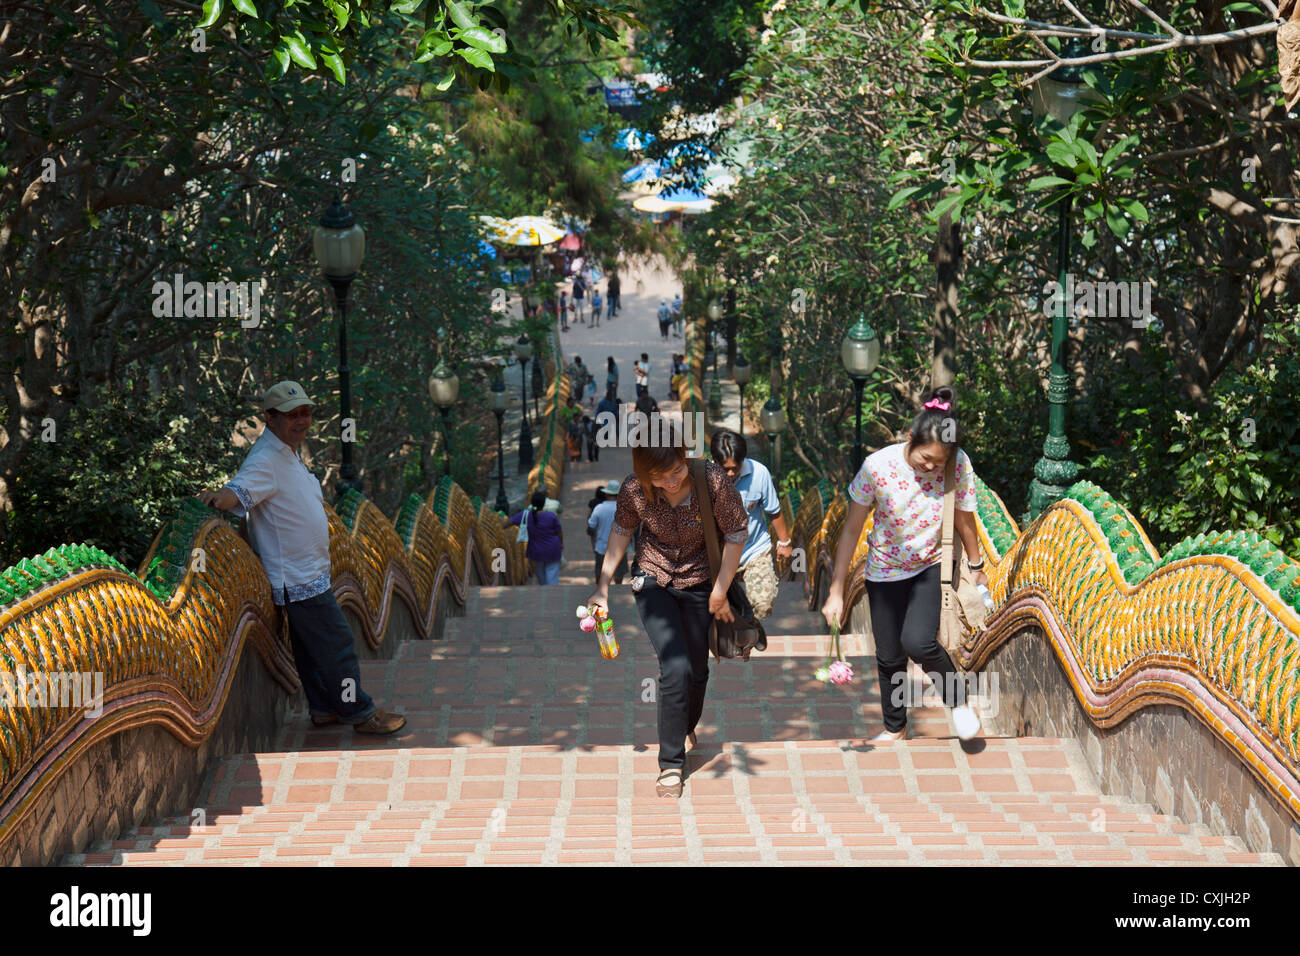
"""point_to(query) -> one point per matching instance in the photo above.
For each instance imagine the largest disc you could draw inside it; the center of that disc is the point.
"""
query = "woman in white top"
(904, 483)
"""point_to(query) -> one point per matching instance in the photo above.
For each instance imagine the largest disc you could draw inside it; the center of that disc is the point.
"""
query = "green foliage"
(117, 470)
(1186, 470)
(468, 42)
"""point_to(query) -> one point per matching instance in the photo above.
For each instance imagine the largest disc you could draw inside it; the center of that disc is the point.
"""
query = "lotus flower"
(823, 673)
(582, 611)
(588, 623)
(836, 670)
(840, 672)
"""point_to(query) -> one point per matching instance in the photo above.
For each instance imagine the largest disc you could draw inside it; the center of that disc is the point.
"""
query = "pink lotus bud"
(841, 672)
(587, 623)
(582, 610)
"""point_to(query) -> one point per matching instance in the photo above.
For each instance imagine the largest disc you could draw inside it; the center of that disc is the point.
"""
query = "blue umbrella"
(643, 172)
(682, 194)
(632, 139)
(486, 249)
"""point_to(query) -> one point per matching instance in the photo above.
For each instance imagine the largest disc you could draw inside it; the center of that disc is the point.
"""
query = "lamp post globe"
(340, 245)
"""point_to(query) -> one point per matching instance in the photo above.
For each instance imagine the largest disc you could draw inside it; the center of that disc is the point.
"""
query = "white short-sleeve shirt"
(287, 522)
(906, 532)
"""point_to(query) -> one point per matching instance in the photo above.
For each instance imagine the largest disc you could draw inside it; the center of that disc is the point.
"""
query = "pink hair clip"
(935, 403)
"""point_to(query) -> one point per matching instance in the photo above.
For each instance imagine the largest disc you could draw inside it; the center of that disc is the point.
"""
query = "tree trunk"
(947, 261)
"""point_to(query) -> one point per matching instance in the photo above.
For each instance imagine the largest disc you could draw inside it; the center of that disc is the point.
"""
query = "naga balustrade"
(164, 645)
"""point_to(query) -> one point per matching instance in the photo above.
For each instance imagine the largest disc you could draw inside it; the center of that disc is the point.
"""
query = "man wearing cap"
(598, 525)
(290, 533)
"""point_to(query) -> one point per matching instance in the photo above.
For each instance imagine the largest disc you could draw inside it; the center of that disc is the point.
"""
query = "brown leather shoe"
(381, 722)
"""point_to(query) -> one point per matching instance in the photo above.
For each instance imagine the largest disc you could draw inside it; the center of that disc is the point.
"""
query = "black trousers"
(677, 621)
(905, 623)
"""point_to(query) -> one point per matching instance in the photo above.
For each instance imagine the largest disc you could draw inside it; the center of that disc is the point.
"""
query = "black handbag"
(730, 639)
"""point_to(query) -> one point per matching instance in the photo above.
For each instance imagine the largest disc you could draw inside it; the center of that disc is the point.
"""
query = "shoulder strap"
(706, 517)
(949, 507)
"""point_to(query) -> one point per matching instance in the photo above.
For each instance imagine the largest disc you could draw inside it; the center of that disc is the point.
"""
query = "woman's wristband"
(784, 544)
(977, 567)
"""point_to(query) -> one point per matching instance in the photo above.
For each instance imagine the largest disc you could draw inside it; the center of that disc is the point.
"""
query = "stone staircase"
(523, 746)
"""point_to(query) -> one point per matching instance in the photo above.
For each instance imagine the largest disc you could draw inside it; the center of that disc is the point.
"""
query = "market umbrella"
(632, 139)
(677, 200)
(529, 231)
(571, 242)
(643, 172)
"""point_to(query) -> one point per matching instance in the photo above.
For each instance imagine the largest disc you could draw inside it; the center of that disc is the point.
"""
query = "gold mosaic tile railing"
(1213, 626)
(164, 643)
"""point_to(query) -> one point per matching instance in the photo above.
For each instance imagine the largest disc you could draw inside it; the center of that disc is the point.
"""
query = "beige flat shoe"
(669, 783)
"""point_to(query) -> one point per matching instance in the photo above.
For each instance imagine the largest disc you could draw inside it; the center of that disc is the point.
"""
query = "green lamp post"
(444, 389)
(773, 421)
(1060, 94)
(860, 354)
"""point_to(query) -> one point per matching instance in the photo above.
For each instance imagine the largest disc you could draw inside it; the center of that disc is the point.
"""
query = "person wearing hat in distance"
(599, 524)
(291, 534)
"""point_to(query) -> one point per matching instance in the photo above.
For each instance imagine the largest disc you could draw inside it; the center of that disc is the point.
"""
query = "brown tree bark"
(947, 261)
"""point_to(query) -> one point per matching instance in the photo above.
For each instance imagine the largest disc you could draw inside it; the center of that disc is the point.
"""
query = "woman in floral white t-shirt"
(904, 484)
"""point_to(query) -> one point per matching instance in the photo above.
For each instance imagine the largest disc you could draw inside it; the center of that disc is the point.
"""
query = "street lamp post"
(1060, 95)
(444, 387)
(340, 245)
(741, 373)
(523, 352)
(538, 386)
(499, 410)
(773, 421)
(715, 313)
(860, 354)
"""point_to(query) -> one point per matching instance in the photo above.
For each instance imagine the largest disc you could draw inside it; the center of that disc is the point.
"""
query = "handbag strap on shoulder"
(949, 507)
(706, 517)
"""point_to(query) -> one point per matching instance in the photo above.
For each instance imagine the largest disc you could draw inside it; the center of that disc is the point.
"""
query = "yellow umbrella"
(529, 231)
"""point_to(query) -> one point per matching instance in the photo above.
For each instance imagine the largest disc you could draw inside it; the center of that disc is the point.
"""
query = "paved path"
(523, 746)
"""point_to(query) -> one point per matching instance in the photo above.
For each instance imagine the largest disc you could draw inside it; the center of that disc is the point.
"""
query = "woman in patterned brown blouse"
(671, 580)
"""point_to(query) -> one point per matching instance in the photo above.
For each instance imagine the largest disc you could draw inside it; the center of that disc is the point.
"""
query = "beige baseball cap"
(285, 397)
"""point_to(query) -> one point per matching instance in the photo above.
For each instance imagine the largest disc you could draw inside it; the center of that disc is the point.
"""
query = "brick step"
(756, 828)
(546, 608)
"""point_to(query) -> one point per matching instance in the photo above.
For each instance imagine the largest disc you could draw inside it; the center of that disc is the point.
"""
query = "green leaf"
(245, 7)
(460, 15)
(1047, 182)
(1062, 154)
(1134, 209)
(408, 6)
(448, 78)
(340, 11)
(281, 54)
(300, 52)
(212, 10)
(476, 57)
(902, 196)
(335, 64)
(1116, 222)
(484, 39)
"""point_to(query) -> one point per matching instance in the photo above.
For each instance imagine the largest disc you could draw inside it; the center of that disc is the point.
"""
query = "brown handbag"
(727, 639)
(961, 613)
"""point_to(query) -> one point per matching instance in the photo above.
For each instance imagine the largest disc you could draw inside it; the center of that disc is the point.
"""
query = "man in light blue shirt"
(598, 525)
(758, 492)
